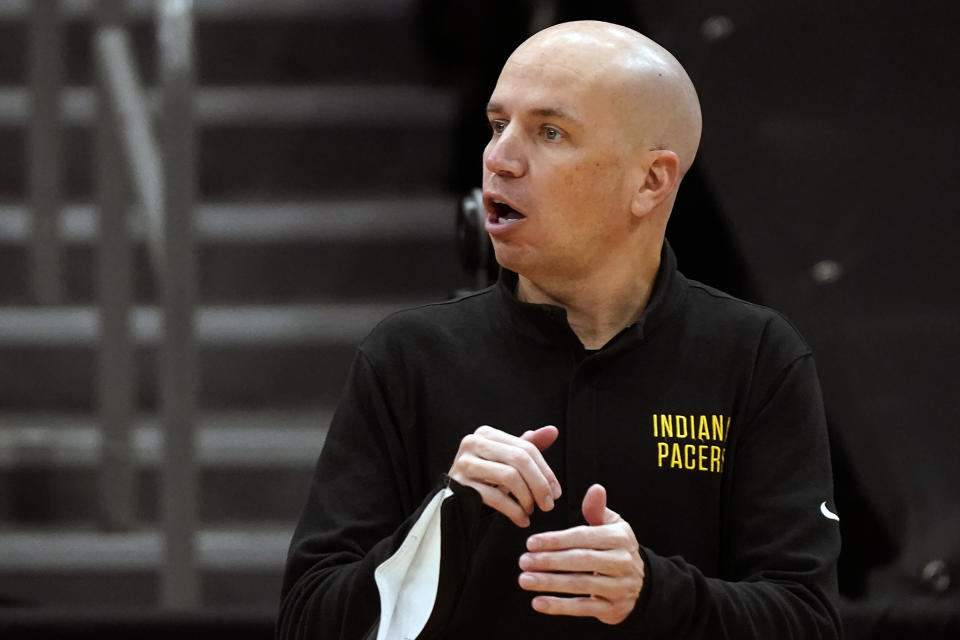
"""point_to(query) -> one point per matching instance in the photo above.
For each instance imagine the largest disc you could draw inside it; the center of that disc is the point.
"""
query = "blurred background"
(206, 205)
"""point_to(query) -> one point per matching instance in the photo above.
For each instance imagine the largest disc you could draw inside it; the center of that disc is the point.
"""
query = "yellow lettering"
(675, 461)
(663, 450)
(703, 433)
(715, 459)
(666, 426)
(717, 427)
(689, 456)
(692, 457)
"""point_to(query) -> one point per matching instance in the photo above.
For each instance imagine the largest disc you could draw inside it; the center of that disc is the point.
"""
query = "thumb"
(542, 437)
(594, 507)
(594, 504)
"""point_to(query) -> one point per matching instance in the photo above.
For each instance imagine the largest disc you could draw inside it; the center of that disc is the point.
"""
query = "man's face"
(555, 181)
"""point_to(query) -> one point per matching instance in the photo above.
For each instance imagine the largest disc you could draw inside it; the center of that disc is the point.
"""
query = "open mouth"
(502, 213)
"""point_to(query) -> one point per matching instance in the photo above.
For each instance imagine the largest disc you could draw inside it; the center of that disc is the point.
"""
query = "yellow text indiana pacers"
(691, 442)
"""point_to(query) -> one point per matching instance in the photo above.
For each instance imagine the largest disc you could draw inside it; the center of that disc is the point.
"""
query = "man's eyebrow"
(543, 112)
(552, 112)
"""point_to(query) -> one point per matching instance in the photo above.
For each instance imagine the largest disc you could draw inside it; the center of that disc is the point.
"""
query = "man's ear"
(659, 181)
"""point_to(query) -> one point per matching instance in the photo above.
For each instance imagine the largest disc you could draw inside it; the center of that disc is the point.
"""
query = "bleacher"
(321, 207)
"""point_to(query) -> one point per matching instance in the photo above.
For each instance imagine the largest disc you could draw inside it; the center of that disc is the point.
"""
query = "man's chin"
(511, 257)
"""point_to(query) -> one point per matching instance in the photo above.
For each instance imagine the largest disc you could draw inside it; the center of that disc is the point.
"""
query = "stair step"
(70, 496)
(221, 326)
(239, 566)
(249, 356)
(108, 621)
(263, 162)
(268, 252)
(426, 217)
(246, 41)
(235, 439)
(89, 590)
(267, 106)
(229, 9)
(255, 547)
(251, 465)
(273, 273)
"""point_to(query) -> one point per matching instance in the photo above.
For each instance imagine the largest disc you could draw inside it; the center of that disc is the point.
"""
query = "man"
(463, 488)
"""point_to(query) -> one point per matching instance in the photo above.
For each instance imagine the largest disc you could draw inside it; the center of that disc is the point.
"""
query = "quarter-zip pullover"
(703, 420)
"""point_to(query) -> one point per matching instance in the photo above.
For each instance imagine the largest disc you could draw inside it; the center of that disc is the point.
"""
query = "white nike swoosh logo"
(827, 513)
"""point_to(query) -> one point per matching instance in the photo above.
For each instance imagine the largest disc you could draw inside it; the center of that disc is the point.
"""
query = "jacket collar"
(548, 323)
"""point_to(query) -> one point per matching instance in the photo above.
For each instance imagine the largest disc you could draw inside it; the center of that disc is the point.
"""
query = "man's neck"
(598, 306)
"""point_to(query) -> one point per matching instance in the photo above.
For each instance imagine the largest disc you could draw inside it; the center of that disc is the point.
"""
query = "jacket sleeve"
(362, 503)
(781, 541)
(359, 508)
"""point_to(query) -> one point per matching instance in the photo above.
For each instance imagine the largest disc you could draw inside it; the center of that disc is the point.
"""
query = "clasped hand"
(599, 563)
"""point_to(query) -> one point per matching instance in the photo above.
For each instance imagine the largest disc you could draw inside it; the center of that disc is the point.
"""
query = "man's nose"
(504, 154)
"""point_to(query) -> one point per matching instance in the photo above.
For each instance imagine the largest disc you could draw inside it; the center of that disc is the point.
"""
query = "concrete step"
(429, 217)
(243, 41)
(43, 495)
(272, 437)
(253, 547)
(240, 566)
(250, 356)
(105, 621)
(270, 252)
(286, 142)
(221, 326)
(227, 10)
(264, 105)
(253, 465)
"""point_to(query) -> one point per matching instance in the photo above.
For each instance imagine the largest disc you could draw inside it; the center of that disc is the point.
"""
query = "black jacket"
(703, 420)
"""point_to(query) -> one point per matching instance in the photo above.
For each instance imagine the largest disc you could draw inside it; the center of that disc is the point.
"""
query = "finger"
(504, 478)
(594, 505)
(501, 502)
(533, 443)
(515, 469)
(618, 535)
(496, 445)
(582, 607)
(543, 437)
(611, 562)
(583, 584)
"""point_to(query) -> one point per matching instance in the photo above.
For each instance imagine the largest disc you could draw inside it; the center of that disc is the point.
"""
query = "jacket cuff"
(639, 617)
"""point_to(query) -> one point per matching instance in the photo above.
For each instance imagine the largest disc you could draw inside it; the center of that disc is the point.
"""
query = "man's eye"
(498, 126)
(551, 134)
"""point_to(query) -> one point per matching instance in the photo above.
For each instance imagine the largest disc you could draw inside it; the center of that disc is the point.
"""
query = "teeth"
(506, 212)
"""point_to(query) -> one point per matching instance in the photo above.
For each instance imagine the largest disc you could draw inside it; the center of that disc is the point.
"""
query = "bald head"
(649, 88)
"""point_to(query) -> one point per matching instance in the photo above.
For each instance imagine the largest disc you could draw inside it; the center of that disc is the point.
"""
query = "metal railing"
(44, 169)
(156, 164)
